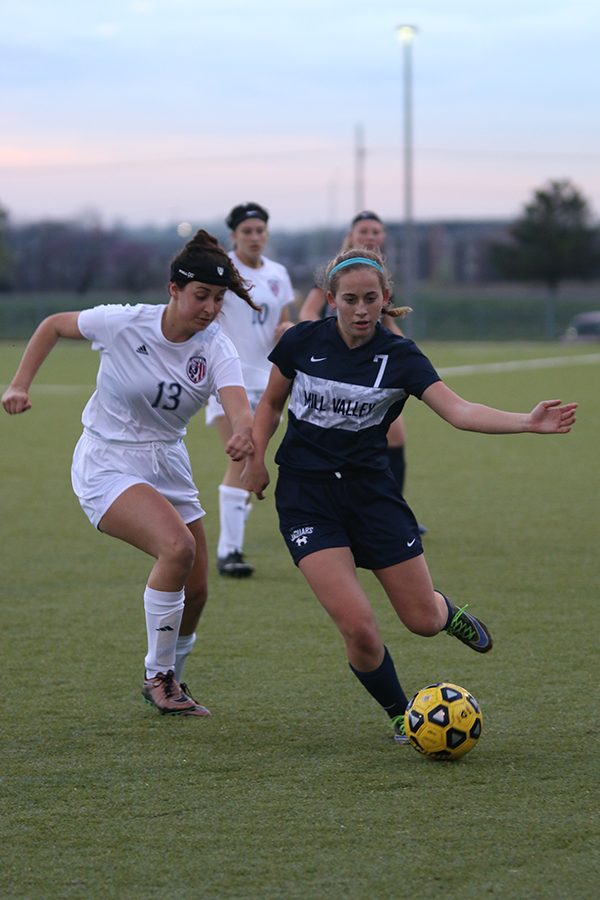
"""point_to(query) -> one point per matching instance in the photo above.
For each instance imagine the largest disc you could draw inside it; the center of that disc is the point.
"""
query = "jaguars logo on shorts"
(300, 536)
(196, 369)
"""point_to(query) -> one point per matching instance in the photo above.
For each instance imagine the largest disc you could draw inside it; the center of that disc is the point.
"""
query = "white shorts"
(102, 470)
(214, 408)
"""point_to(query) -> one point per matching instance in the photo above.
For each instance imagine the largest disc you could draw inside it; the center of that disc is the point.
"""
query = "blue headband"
(356, 260)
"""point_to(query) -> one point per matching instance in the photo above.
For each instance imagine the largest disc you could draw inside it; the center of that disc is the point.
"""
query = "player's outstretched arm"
(255, 476)
(547, 417)
(15, 398)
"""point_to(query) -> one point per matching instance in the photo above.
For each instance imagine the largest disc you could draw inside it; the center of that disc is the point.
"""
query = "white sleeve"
(93, 326)
(226, 365)
(100, 323)
(228, 373)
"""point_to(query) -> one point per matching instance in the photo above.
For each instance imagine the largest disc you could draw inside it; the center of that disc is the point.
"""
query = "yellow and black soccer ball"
(443, 721)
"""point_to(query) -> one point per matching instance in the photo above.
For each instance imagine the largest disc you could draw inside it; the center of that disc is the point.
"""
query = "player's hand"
(552, 417)
(239, 445)
(255, 477)
(15, 400)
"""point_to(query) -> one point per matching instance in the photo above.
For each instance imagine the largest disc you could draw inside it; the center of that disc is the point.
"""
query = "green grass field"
(294, 788)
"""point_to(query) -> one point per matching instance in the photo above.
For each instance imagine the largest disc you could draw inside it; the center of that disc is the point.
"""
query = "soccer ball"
(443, 721)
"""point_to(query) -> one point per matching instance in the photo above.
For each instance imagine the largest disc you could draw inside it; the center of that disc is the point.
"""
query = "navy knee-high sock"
(451, 609)
(383, 685)
(397, 465)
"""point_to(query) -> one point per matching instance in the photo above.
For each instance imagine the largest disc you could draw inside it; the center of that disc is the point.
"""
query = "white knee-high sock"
(185, 645)
(233, 512)
(164, 610)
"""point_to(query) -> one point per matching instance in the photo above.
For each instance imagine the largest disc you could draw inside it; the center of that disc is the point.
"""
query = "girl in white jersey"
(338, 503)
(131, 471)
(366, 230)
(254, 333)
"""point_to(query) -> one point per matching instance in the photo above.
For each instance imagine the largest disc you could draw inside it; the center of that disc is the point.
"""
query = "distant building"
(450, 252)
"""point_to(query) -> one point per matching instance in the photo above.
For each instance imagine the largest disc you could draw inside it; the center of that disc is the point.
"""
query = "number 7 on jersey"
(382, 359)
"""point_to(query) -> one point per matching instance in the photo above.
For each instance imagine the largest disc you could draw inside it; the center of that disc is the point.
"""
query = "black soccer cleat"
(469, 630)
(234, 565)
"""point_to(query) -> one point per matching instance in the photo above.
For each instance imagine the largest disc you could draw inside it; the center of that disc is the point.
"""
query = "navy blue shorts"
(365, 513)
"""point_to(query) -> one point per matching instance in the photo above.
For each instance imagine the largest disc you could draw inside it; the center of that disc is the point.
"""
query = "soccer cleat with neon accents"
(399, 735)
(470, 631)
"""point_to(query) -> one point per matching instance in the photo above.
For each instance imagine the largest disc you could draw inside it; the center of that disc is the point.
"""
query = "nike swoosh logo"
(410, 543)
(318, 358)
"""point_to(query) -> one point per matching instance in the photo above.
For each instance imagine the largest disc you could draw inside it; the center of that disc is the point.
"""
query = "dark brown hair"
(203, 248)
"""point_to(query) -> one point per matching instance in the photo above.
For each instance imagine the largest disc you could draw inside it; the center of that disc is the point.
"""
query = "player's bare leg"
(331, 574)
(142, 517)
(426, 611)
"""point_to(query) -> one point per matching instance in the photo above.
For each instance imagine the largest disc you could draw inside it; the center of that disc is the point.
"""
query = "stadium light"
(406, 35)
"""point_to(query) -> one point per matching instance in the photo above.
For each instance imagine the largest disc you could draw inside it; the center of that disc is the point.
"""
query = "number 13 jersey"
(343, 400)
(148, 387)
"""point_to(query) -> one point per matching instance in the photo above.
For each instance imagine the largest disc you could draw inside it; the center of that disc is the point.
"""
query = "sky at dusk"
(156, 111)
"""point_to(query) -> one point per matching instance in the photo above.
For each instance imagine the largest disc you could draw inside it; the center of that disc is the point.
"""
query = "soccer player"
(254, 332)
(368, 231)
(131, 470)
(339, 506)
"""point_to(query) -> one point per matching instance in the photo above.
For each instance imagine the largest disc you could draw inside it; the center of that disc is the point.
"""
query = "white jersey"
(148, 387)
(252, 332)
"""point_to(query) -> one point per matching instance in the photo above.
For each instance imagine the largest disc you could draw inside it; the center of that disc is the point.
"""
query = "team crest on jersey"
(196, 369)
(274, 285)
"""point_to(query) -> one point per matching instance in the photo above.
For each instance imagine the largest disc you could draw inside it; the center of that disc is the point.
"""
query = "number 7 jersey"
(343, 400)
(148, 387)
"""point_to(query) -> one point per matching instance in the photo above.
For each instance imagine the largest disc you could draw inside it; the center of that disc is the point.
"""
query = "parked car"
(584, 327)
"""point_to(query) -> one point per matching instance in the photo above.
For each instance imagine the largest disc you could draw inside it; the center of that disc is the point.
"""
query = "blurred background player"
(254, 333)
(366, 230)
(131, 470)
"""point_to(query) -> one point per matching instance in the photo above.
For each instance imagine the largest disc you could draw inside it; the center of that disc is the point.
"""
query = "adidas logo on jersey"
(142, 349)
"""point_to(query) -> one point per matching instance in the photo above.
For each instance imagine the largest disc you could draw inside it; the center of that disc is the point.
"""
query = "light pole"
(406, 35)
(359, 168)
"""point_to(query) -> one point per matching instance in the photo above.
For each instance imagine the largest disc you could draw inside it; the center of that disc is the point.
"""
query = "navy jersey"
(343, 400)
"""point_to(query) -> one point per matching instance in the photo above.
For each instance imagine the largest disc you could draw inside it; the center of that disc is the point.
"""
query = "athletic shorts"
(214, 408)
(366, 513)
(102, 470)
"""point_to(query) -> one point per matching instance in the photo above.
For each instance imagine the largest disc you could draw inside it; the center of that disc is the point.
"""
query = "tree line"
(554, 238)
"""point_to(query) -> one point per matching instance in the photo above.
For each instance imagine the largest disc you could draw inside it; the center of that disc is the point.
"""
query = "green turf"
(294, 789)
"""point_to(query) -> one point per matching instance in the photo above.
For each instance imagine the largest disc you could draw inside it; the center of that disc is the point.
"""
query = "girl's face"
(368, 233)
(249, 240)
(359, 300)
(193, 307)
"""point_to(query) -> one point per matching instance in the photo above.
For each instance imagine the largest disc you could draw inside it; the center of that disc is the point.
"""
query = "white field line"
(62, 389)
(549, 362)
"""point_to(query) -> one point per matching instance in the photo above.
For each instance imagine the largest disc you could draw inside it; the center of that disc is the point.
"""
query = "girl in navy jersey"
(368, 231)
(131, 471)
(339, 506)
